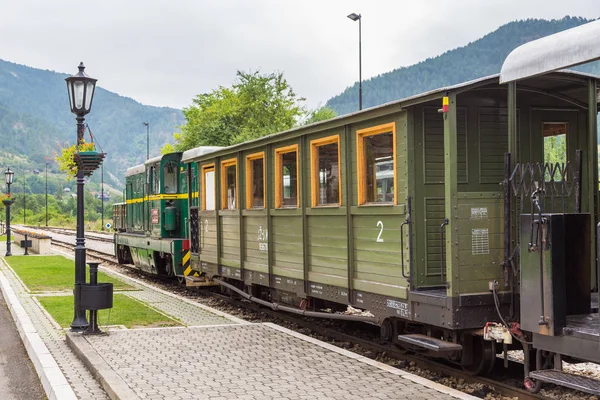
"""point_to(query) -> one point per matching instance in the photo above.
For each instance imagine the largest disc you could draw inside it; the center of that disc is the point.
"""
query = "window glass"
(555, 148)
(257, 184)
(209, 188)
(155, 181)
(328, 175)
(170, 177)
(379, 168)
(230, 183)
(289, 181)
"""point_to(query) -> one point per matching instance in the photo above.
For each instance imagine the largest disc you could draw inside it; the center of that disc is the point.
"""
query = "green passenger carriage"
(400, 210)
(442, 216)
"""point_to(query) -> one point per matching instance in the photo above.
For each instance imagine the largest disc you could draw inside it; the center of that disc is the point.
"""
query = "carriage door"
(555, 140)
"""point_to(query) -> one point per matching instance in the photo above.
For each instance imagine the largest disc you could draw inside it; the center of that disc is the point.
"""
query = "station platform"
(211, 355)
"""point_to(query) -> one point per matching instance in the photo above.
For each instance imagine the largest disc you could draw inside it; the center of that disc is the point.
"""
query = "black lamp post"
(147, 125)
(8, 178)
(81, 92)
(357, 17)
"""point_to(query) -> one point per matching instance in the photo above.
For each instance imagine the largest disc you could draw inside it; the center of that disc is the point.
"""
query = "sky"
(164, 53)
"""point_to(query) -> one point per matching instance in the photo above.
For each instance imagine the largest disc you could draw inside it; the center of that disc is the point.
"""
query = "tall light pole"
(46, 194)
(357, 17)
(8, 178)
(81, 93)
(147, 140)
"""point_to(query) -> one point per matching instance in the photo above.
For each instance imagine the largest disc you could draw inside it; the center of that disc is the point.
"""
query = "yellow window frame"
(224, 165)
(207, 168)
(314, 169)
(279, 175)
(249, 182)
(361, 134)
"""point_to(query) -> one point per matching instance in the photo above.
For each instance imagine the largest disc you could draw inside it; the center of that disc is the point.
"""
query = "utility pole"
(147, 140)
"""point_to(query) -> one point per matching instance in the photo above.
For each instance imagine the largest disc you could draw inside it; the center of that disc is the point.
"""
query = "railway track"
(72, 232)
(371, 347)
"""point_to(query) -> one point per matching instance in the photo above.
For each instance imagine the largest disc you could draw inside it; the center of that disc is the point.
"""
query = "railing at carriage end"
(555, 186)
(553, 183)
(194, 229)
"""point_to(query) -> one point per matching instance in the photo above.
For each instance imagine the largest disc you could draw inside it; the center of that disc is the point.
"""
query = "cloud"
(164, 53)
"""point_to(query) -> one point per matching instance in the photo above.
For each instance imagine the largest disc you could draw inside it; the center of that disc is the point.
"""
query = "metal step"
(196, 281)
(577, 382)
(429, 343)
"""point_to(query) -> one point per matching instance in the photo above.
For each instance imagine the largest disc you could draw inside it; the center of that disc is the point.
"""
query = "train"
(441, 216)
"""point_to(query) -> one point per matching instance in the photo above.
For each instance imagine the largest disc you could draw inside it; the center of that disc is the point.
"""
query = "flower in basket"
(66, 159)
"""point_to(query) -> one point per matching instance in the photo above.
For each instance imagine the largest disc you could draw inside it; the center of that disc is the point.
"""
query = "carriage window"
(376, 164)
(170, 177)
(255, 181)
(286, 176)
(555, 148)
(208, 187)
(325, 179)
(229, 184)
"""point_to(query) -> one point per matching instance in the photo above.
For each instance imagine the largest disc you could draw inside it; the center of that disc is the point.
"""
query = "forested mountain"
(477, 59)
(35, 118)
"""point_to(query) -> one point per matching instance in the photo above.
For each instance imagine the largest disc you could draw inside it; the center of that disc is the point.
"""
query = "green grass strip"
(126, 311)
(53, 273)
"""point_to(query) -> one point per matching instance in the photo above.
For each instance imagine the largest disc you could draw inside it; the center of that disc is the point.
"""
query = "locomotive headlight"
(81, 91)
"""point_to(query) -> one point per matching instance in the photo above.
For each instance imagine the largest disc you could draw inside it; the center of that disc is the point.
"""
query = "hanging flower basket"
(88, 161)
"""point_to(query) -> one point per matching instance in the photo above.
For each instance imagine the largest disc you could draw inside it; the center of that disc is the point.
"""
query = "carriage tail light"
(186, 244)
(445, 103)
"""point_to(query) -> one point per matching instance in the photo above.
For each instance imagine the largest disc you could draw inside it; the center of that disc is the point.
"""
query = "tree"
(256, 105)
(320, 114)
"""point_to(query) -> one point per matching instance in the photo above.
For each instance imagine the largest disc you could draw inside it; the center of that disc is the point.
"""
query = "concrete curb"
(114, 386)
(53, 380)
(406, 375)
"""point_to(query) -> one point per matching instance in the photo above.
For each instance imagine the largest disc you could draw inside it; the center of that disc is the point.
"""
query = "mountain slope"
(35, 116)
(477, 59)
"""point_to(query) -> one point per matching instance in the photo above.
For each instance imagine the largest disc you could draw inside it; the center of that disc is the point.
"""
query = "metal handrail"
(443, 246)
(406, 222)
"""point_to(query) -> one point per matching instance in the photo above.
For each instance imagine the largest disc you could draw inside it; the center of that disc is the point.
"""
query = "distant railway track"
(317, 327)
(91, 252)
(72, 232)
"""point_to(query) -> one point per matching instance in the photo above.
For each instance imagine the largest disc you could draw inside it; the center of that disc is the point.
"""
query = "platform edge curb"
(53, 380)
(114, 386)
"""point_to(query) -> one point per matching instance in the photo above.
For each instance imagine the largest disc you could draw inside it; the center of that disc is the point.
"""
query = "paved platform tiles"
(250, 361)
(214, 356)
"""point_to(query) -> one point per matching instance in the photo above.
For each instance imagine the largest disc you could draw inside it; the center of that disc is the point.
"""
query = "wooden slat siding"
(230, 237)
(287, 245)
(255, 259)
(208, 237)
(493, 143)
(434, 145)
(434, 217)
(476, 270)
(327, 246)
(378, 261)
